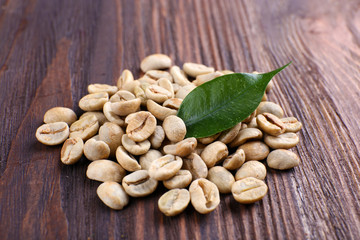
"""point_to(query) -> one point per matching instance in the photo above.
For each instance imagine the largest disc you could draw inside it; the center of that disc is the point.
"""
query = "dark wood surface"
(51, 50)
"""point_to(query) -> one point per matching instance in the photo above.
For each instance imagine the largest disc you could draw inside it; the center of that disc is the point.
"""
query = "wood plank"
(51, 50)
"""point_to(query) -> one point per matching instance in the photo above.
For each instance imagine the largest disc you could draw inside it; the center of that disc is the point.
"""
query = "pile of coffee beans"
(134, 140)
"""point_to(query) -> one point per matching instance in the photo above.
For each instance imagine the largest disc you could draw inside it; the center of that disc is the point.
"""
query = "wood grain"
(51, 50)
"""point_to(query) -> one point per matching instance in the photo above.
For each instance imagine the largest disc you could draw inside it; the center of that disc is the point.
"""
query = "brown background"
(51, 50)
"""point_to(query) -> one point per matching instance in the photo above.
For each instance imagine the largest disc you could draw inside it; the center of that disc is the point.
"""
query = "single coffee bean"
(195, 69)
(139, 184)
(282, 159)
(126, 160)
(249, 190)
(222, 178)
(157, 137)
(210, 139)
(229, 135)
(122, 95)
(111, 116)
(135, 148)
(175, 129)
(146, 159)
(195, 165)
(264, 98)
(182, 148)
(157, 74)
(174, 201)
(140, 125)
(72, 150)
(269, 86)
(252, 123)
(131, 86)
(52, 133)
(140, 93)
(97, 87)
(270, 124)
(126, 78)
(245, 125)
(291, 124)
(96, 150)
(250, 117)
(166, 84)
(60, 114)
(251, 169)
(145, 82)
(173, 103)
(105, 170)
(165, 167)
(204, 195)
(270, 107)
(158, 94)
(182, 179)
(155, 62)
(245, 135)
(84, 128)
(203, 78)
(123, 103)
(255, 150)
(93, 101)
(284, 141)
(179, 76)
(184, 91)
(234, 161)
(214, 153)
(160, 112)
(99, 116)
(226, 71)
(111, 134)
(112, 194)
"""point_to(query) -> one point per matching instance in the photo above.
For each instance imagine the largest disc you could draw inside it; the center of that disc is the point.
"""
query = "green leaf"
(223, 102)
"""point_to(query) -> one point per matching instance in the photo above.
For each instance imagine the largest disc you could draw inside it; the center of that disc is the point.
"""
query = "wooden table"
(51, 50)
